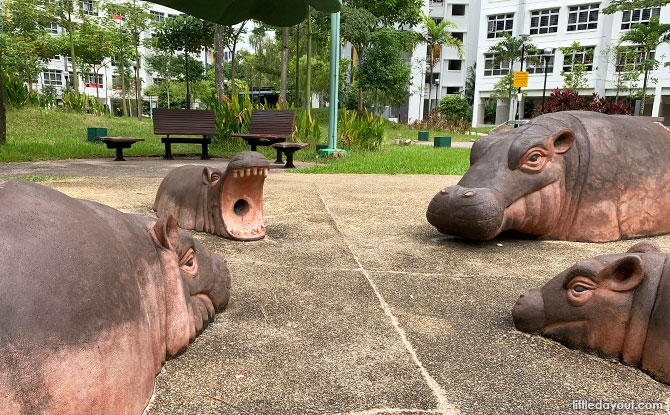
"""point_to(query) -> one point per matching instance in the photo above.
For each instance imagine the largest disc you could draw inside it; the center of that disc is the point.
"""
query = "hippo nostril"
(469, 194)
(444, 191)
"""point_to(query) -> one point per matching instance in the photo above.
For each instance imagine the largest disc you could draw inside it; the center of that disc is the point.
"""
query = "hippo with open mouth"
(93, 301)
(228, 204)
(572, 175)
(614, 305)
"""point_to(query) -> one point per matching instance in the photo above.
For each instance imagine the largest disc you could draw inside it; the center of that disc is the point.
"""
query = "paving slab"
(355, 305)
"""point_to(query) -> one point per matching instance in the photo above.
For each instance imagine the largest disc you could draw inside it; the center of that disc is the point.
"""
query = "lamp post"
(547, 57)
(519, 113)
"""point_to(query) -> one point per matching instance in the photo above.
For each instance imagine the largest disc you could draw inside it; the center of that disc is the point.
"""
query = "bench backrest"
(275, 122)
(187, 122)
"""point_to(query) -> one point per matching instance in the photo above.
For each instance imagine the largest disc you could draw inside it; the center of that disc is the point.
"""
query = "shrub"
(232, 116)
(436, 122)
(360, 130)
(16, 91)
(567, 100)
(306, 130)
(455, 107)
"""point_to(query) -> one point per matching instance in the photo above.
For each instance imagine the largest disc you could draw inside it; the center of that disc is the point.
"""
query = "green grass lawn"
(394, 159)
(34, 134)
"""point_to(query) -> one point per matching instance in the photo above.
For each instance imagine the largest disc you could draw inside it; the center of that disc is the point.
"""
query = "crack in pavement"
(443, 407)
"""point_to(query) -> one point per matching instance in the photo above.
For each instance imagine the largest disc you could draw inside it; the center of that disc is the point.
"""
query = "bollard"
(442, 142)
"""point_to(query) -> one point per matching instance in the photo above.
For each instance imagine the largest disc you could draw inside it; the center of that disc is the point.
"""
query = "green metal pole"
(334, 82)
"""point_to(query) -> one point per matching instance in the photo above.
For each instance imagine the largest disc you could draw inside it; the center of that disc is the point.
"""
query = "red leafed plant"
(567, 100)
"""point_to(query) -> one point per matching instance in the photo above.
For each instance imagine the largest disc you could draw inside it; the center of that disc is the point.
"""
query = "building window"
(499, 24)
(52, 77)
(543, 21)
(458, 9)
(631, 17)
(455, 65)
(490, 69)
(458, 35)
(56, 58)
(631, 57)
(584, 56)
(436, 78)
(538, 66)
(437, 1)
(157, 16)
(52, 28)
(583, 17)
(92, 80)
(453, 90)
(437, 20)
(157, 81)
(87, 8)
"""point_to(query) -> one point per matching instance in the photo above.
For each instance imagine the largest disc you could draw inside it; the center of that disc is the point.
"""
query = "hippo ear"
(210, 176)
(563, 141)
(643, 247)
(624, 274)
(166, 232)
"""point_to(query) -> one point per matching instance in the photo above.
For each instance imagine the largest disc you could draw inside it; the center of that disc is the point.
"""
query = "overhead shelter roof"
(272, 12)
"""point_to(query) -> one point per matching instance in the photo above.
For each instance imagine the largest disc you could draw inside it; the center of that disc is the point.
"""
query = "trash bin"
(442, 142)
(423, 135)
(96, 132)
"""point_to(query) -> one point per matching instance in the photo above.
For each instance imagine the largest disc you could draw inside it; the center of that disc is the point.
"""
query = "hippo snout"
(475, 213)
(528, 312)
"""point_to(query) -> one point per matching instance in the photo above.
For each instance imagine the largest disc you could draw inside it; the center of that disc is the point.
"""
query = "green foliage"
(455, 107)
(361, 131)
(621, 5)
(306, 130)
(171, 33)
(575, 79)
(232, 115)
(490, 107)
(504, 88)
(469, 90)
(82, 103)
(16, 93)
(390, 12)
(509, 49)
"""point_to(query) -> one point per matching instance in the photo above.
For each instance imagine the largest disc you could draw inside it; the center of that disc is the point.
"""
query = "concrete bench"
(119, 143)
(288, 149)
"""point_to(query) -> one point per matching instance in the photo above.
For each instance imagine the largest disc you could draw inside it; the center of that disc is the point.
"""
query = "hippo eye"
(579, 288)
(534, 158)
(188, 263)
(533, 161)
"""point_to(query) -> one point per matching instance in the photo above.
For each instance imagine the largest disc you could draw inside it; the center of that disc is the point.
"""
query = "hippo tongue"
(535, 213)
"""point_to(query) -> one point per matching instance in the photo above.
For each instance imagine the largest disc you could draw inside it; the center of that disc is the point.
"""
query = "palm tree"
(647, 37)
(435, 36)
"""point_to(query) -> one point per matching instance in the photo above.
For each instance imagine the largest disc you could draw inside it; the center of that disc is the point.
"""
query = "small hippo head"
(591, 305)
(197, 283)
(516, 180)
(237, 194)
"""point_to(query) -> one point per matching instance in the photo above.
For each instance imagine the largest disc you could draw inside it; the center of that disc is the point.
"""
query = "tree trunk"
(359, 52)
(308, 81)
(232, 70)
(284, 67)
(75, 78)
(168, 94)
(644, 90)
(124, 92)
(3, 114)
(138, 81)
(430, 89)
(97, 92)
(296, 94)
(219, 48)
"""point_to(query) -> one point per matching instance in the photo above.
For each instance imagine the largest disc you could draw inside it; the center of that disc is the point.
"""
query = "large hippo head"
(197, 283)
(613, 305)
(516, 180)
(572, 175)
(226, 203)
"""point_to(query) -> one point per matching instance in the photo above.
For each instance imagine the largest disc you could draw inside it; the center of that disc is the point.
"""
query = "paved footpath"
(354, 304)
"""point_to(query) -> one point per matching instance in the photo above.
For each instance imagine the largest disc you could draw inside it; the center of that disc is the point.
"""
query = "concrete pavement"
(354, 304)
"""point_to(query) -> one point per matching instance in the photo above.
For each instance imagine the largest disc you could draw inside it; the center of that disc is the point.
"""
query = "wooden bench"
(119, 143)
(268, 127)
(288, 149)
(184, 122)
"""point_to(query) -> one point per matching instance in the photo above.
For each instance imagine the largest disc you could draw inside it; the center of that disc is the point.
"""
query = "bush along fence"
(567, 100)
(360, 130)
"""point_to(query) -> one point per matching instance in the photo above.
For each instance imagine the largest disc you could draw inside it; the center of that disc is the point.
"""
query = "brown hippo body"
(93, 301)
(226, 203)
(615, 305)
(573, 175)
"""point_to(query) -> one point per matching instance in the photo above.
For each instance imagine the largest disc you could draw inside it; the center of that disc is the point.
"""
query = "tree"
(621, 5)
(385, 69)
(284, 67)
(510, 49)
(390, 12)
(470, 79)
(647, 37)
(575, 78)
(357, 27)
(626, 69)
(165, 66)
(63, 12)
(435, 36)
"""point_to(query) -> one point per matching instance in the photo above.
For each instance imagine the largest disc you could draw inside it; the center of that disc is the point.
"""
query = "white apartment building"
(551, 24)
(59, 70)
(449, 74)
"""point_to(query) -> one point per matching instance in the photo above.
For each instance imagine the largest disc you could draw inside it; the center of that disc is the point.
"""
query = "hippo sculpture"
(572, 175)
(93, 301)
(228, 204)
(614, 305)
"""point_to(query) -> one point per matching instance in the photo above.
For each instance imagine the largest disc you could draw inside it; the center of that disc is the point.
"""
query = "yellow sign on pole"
(520, 79)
